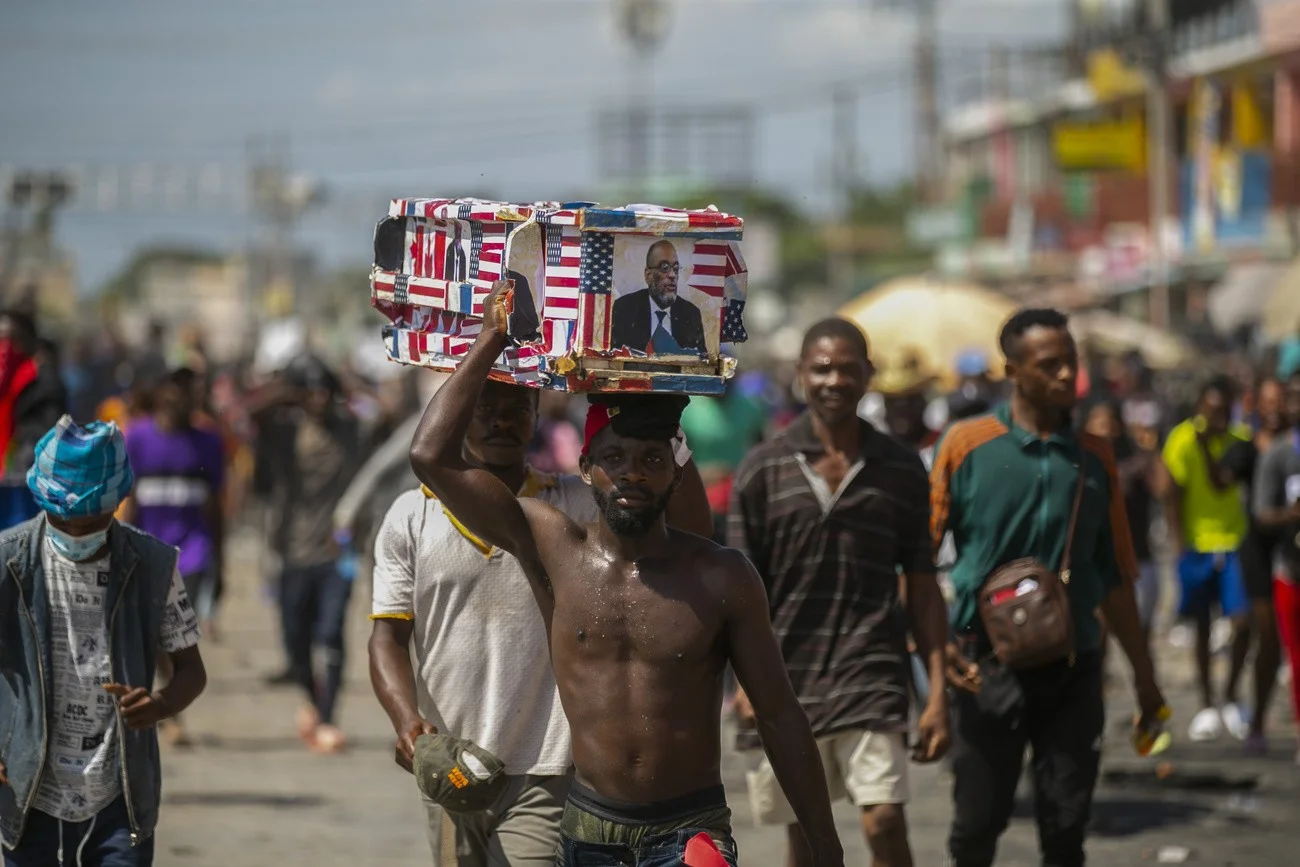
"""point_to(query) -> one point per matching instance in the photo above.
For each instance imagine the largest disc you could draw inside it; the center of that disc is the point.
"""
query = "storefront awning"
(1281, 315)
(1240, 297)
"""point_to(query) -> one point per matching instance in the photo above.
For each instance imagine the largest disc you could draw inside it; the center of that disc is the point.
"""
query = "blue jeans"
(102, 841)
(314, 607)
(658, 850)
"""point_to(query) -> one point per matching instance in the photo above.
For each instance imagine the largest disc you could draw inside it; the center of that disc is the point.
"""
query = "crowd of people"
(811, 553)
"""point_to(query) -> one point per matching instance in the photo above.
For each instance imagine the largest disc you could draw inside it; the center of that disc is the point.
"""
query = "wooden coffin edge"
(589, 373)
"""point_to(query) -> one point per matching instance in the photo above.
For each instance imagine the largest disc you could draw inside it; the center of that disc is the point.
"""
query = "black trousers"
(1061, 718)
(313, 611)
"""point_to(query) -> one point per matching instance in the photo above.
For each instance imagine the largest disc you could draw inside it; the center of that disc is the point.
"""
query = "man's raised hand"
(498, 306)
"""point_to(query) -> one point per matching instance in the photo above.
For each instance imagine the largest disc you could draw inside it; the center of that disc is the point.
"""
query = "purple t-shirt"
(175, 474)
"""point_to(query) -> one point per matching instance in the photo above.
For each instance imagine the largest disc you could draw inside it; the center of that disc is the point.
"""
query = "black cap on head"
(643, 416)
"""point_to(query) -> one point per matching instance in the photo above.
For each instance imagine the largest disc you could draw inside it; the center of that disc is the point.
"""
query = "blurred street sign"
(932, 227)
(1116, 144)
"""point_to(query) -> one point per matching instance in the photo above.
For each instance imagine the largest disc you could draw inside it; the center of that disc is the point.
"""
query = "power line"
(150, 186)
(803, 96)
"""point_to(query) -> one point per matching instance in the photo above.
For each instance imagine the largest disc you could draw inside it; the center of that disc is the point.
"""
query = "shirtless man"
(643, 620)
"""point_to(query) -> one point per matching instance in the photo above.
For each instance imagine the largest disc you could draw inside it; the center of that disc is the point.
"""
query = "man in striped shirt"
(830, 511)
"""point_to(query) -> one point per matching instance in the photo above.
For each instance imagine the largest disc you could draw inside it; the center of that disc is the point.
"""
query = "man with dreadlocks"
(643, 620)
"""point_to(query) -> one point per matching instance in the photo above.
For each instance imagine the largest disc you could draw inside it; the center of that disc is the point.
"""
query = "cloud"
(849, 35)
(342, 88)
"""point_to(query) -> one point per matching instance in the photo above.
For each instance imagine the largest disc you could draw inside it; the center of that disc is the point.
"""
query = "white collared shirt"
(482, 660)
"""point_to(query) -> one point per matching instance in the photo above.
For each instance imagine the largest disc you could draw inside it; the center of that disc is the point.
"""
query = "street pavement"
(249, 794)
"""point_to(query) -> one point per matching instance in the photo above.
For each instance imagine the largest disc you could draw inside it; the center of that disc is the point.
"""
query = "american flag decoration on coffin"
(638, 298)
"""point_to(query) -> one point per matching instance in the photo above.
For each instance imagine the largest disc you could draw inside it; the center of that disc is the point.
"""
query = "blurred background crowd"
(254, 405)
(922, 168)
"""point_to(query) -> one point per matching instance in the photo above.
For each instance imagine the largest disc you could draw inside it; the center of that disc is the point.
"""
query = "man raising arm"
(642, 620)
(440, 585)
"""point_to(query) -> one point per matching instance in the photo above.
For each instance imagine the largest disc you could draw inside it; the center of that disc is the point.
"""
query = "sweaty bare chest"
(633, 616)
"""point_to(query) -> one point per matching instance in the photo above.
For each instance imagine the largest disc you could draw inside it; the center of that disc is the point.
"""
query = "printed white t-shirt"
(81, 774)
(483, 669)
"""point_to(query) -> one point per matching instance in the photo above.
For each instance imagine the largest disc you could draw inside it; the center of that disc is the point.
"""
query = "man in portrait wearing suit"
(655, 318)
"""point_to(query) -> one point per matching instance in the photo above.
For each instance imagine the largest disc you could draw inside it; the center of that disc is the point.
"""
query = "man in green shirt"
(1004, 484)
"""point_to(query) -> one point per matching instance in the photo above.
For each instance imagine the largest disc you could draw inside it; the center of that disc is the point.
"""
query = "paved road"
(249, 795)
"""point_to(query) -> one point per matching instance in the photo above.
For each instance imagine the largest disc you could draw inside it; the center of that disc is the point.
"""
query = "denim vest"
(141, 569)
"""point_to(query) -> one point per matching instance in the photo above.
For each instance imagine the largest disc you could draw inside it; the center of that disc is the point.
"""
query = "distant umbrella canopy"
(930, 321)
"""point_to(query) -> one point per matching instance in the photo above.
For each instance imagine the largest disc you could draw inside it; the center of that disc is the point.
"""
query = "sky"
(393, 98)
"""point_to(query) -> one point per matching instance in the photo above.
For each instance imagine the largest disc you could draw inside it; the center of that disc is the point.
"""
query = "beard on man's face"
(625, 521)
(663, 297)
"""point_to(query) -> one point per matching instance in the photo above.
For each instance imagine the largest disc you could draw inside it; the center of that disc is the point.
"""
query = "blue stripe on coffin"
(466, 298)
(596, 219)
(687, 384)
(705, 234)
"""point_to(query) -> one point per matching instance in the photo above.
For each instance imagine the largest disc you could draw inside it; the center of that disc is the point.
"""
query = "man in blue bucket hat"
(85, 603)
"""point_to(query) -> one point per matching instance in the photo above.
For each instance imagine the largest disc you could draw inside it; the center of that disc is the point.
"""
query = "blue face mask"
(76, 548)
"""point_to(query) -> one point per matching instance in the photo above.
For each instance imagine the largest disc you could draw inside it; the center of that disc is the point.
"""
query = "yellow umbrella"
(932, 319)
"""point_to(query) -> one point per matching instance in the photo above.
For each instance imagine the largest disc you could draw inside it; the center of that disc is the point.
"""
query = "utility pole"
(844, 177)
(45, 194)
(1000, 94)
(1000, 72)
(281, 198)
(844, 133)
(644, 24)
(1158, 140)
(929, 161)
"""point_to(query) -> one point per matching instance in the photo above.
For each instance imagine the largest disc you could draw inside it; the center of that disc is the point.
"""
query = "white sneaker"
(1206, 725)
(1236, 720)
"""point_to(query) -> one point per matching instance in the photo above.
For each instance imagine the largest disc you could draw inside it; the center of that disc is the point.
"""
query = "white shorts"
(868, 768)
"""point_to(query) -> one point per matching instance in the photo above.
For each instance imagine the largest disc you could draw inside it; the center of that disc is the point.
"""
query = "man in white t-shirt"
(482, 660)
(91, 604)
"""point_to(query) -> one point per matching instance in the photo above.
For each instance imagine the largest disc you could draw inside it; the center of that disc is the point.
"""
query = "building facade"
(1055, 186)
